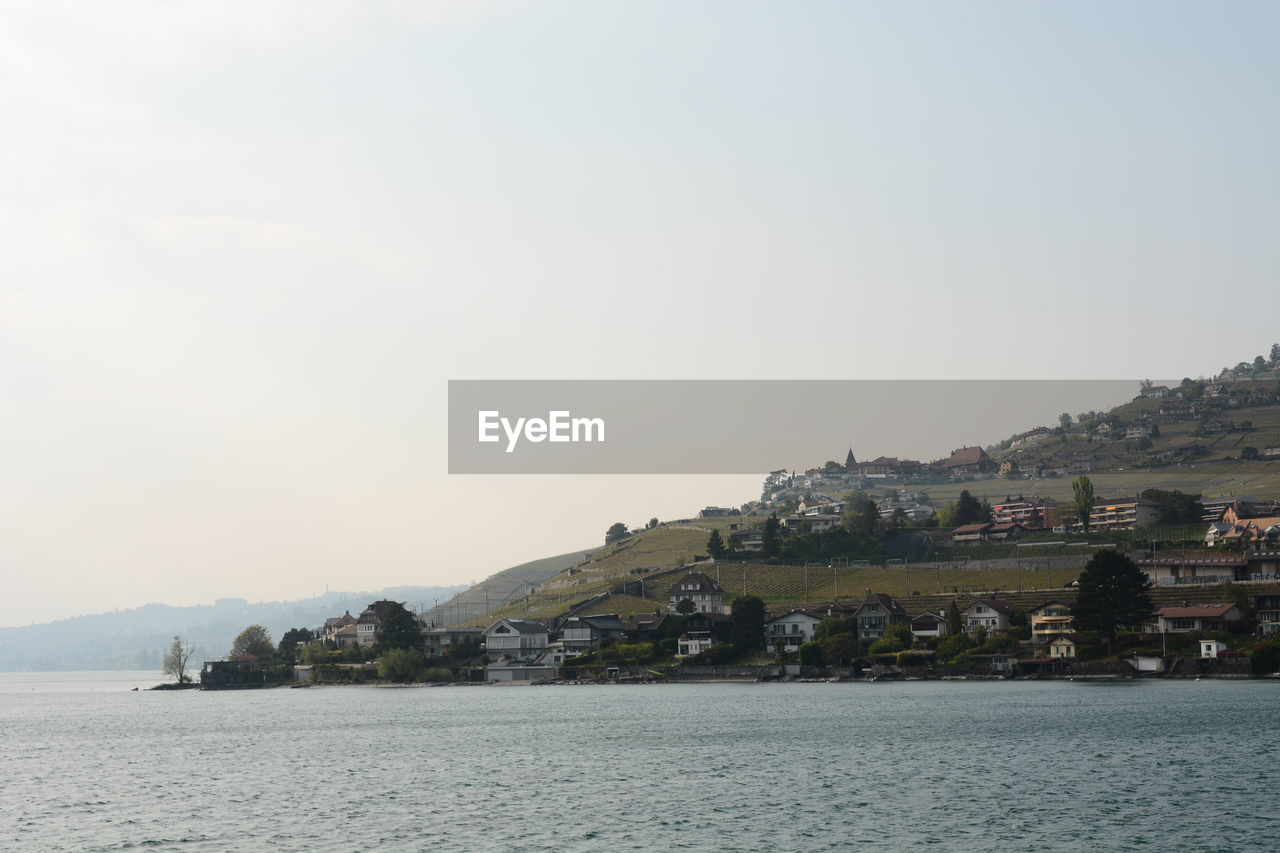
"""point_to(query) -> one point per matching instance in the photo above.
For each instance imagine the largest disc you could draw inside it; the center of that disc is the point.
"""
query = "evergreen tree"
(771, 541)
(1082, 490)
(968, 509)
(748, 618)
(1112, 592)
(715, 545)
(954, 625)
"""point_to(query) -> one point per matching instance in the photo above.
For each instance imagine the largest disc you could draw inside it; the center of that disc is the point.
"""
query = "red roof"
(1196, 611)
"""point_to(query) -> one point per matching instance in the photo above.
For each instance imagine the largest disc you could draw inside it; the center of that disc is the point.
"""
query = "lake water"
(982, 766)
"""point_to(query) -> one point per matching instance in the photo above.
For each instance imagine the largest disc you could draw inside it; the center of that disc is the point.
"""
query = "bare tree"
(175, 662)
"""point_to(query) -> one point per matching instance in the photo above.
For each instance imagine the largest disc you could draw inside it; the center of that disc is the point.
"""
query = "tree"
(811, 654)
(1175, 507)
(253, 642)
(954, 625)
(686, 607)
(771, 540)
(1064, 420)
(175, 662)
(1082, 489)
(398, 628)
(747, 631)
(1275, 355)
(968, 509)
(314, 653)
(902, 633)
(1145, 385)
(400, 665)
(653, 522)
(292, 640)
(715, 545)
(1112, 592)
(1259, 364)
(616, 531)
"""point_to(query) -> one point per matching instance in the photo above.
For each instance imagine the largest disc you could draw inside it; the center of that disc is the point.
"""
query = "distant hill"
(137, 638)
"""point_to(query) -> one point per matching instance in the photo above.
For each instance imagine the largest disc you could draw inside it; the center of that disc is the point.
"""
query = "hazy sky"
(244, 245)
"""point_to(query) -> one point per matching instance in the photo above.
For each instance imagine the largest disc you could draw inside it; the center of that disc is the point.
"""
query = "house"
(717, 512)
(646, 627)
(1066, 645)
(1195, 617)
(702, 631)
(1177, 567)
(976, 532)
(1138, 431)
(1266, 606)
(1246, 529)
(1215, 390)
(1124, 514)
(345, 636)
(1211, 648)
(1004, 532)
(751, 541)
(535, 668)
(332, 625)
(792, 629)
(967, 460)
(514, 639)
(1155, 392)
(1008, 467)
(370, 621)
(928, 625)
(877, 613)
(986, 613)
(440, 641)
(581, 634)
(1049, 619)
(816, 523)
(706, 594)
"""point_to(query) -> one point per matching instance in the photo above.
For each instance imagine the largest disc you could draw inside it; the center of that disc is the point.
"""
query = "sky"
(244, 246)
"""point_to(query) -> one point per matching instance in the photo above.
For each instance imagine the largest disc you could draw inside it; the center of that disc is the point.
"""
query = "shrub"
(811, 654)
(437, 674)
(953, 645)
(886, 645)
(400, 665)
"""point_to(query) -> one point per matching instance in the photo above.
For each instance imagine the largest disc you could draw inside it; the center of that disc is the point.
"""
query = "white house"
(928, 625)
(706, 594)
(791, 629)
(987, 613)
(1196, 617)
(509, 639)
(1050, 618)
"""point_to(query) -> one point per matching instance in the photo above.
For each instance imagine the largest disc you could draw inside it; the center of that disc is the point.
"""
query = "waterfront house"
(581, 634)
(511, 639)
(1050, 618)
(986, 613)
(440, 641)
(791, 629)
(1066, 646)
(928, 625)
(370, 621)
(877, 613)
(329, 631)
(706, 594)
(702, 631)
(1266, 606)
(1195, 617)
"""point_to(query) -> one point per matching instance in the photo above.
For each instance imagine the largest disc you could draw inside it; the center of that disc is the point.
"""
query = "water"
(974, 766)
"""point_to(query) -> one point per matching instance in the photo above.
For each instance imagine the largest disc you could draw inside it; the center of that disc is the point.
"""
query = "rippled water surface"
(1153, 765)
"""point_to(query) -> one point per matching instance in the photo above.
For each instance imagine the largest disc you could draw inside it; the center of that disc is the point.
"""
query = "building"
(877, 613)
(1266, 606)
(986, 613)
(702, 631)
(791, 629)
(1124, 514)
(928, 625)
(706, 594)
(1048, 620)
(329, 631)
(440, 641)
(513, 639)
(1030, 514)
(1195, 617)
(967, 460)
(581, 634)
(370, 621)
(1066, 645)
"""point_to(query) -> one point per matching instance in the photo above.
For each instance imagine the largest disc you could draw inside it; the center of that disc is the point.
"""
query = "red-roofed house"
(1196, 617)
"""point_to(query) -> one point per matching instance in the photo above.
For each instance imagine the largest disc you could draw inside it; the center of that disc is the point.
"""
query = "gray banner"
(743, 426)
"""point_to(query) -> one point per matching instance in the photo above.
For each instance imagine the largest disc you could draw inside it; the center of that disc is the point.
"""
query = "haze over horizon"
(245, 247)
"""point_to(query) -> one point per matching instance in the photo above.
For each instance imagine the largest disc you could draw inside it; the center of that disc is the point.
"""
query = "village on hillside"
(891, 568)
